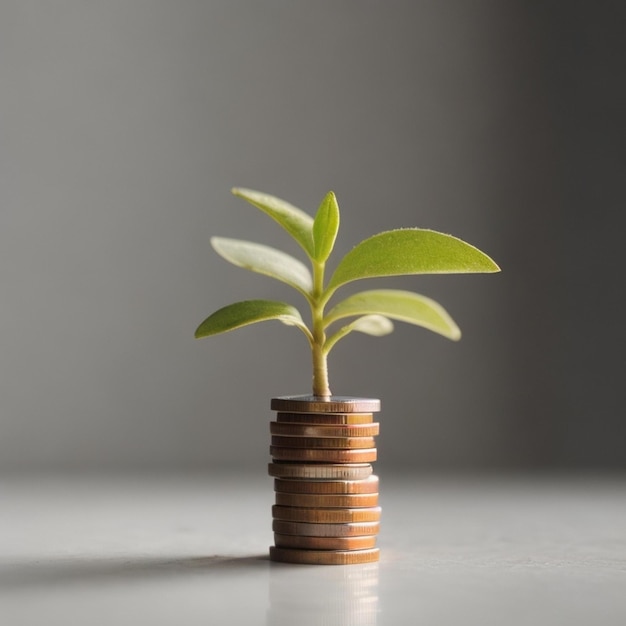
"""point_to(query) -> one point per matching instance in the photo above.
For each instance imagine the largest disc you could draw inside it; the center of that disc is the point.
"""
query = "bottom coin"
(324, 557)
(325, 543)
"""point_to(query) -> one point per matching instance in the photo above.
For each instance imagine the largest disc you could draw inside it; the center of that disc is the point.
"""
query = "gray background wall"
(124, 125)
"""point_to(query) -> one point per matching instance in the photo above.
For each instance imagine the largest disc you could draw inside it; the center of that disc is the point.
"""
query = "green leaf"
(265, 260)
(325, 227)
(409, 251)
(404, 306)
(295, 221)
(248, 312)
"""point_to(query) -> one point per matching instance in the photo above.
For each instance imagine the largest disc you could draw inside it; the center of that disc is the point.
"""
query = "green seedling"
(390, 253)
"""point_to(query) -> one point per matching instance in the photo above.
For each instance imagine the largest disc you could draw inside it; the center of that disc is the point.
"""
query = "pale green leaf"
(399, 305)
(265, 260)
(295, 221)
(248, 312)
(325, 227)
(409, 251)
(375, 325)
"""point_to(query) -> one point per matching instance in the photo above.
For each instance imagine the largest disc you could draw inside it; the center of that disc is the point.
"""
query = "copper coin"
(318, 404)
(366, 455)
(324, 557)
(341, 443)
(326, 516)
(322, 471)
(366, 485)
(325, 418)
(325, 543)
(306, 430)
(306, 529)
(333, 500)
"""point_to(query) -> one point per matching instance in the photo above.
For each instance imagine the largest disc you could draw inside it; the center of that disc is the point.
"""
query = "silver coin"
(322, 471)
(309, 529)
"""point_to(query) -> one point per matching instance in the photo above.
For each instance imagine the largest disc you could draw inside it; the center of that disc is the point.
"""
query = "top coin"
(320, 404)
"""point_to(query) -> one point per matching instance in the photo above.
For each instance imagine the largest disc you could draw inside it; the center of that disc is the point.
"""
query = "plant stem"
(320, 361)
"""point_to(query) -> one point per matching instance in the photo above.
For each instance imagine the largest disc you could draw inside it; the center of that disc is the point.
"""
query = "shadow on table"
(67, 571)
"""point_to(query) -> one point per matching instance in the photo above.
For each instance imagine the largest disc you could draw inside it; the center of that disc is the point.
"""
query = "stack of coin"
(326, 509)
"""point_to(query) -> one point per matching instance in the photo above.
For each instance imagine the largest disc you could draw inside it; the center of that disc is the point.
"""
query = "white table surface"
(193, 550)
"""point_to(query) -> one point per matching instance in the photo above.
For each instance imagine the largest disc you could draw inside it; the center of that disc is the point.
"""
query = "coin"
(306, 430)
(366, 485)
(326, 516)
(325, 543)
(306, 529)
(323, 471)
(324, 557)
(352, 500)
(323, 442)
(319, 404)
(324, 456)
(325, 418)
